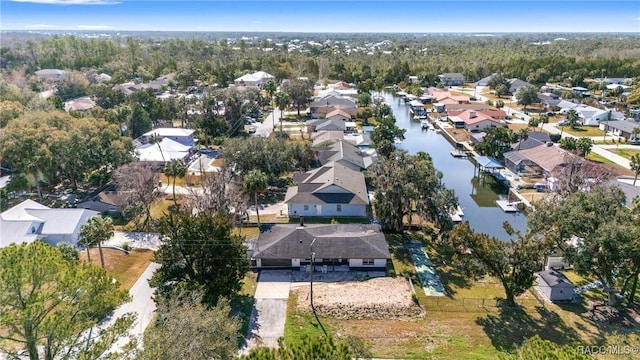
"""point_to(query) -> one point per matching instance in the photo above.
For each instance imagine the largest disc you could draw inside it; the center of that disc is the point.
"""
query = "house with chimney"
(337, 247)
(474, 121)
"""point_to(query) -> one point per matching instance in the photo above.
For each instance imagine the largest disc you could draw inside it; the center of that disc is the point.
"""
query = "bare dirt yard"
(378, 298)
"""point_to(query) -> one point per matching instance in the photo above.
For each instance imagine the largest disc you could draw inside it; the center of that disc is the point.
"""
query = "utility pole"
(313, 308)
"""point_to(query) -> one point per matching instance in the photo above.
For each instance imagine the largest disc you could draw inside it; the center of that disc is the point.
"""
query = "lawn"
(126, 268)
(626, 153)
(456, 326)
(617, 169)
(242, 304)
(583, 131)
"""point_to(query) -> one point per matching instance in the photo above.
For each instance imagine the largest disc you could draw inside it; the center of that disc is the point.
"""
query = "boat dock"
(507, 206)
(458, 153)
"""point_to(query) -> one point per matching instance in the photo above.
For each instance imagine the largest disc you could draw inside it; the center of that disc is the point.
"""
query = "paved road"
(266, 127)
(270, 309)
(141, 304)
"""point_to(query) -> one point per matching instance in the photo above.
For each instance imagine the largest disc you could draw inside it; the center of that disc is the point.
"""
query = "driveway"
(266, 127)
(269, 309)
(141, 304)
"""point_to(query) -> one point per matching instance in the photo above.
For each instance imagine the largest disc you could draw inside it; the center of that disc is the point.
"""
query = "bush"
(414, 297)
(555, 137)
(126, 246)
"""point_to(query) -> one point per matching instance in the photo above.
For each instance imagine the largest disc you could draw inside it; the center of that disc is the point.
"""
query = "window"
(367, 261)
(339, 207)
(306, 207)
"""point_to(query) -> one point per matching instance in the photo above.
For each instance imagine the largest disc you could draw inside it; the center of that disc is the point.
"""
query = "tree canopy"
(47, 303)
(198, 252)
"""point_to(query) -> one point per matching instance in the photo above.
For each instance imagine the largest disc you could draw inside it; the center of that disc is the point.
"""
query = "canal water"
(476, 196)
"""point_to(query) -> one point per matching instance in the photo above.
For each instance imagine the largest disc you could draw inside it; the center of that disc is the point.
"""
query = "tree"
(300, 93)
(502, 90)
(198, 252)
(584, 145)
(385, 134)
(255, 182)
(95, 231)
(572, 118)
(513, 262)
(635, 167)
(282, 101)
(523, 134)
(308, 348)
(47, 303)
(497, 142)
(204, 333)
(140, 121)
(605, 230)
(533, 123)
(175, 168)
(403, 183)
(569, 143)
(270, 88)
(537, 348)
(141, 180)
(527, 95)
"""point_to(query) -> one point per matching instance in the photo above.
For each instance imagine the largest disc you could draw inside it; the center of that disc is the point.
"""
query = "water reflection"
(476, 196)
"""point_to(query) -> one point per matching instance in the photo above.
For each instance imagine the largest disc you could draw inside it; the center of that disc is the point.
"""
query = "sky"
(426, 16)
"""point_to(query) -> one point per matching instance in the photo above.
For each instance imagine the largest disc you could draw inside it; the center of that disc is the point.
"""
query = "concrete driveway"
(269, 309)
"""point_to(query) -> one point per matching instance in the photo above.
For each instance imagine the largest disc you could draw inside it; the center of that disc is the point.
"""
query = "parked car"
(252, 129)
(563, 122)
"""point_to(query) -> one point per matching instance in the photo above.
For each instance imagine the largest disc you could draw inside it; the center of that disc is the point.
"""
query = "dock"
(458, 154)
(507, 206)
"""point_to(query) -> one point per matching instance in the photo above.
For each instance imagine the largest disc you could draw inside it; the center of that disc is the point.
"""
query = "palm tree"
(635, 166)
(175, 168)
(282, 101)
(94, 232)
(270, 88)
(572, 118)
(635, 132)
(156, 139)
(255, 182)
(523, 135)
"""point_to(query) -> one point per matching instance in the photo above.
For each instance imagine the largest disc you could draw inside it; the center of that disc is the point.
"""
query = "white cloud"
(71, 2)
(94, 27)
(41, 26)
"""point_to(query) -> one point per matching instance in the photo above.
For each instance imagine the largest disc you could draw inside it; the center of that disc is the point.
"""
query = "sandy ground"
(379, 298)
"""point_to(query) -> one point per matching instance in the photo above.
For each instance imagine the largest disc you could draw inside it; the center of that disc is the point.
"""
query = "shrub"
(555, 137)
(126, 246)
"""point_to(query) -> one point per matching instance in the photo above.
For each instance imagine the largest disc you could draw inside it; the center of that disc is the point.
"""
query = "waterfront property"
(332, 247)
(555, 286)
(331, 190)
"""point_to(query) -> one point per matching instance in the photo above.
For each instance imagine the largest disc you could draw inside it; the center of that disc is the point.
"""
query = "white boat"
(425, 124)
(507, 206)
(457, 214)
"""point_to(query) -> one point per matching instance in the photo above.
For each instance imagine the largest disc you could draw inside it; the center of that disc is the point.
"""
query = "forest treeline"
(388, 60)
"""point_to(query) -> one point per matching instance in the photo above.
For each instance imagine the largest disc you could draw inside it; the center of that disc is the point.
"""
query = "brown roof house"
(107, 201)
(331, 190)
(346, 246)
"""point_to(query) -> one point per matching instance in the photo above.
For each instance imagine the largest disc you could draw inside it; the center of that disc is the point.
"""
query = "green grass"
(584, 131)
(598, 158)
(626, 153)
(242, 304)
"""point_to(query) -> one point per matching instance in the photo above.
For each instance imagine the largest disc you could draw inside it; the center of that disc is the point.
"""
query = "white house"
(449, 79)
(255, 80)
(30, 221)
(51, 74)
(331, 190)
(179, 135)
(163, 151)
(555, 286)
(351, 246)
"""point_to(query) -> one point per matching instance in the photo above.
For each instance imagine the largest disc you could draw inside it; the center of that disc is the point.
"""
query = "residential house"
(331, 190)
(521, 165)
(347, 154)
(340, 85)
(51, 74)
(555, 286)
(445, 97)
(548, 99)
(474, 121)
(414, 79)
(592, 116)
(534, 139)
(622, 128)
(349, 93)
(322, 106)
(326, 125)
(347, 246)
(255, 80)
(80, 104)
(477, 138)
(30, 221)
(158, 85)
(109, 200)
(338, 114)
(548, 158)
(449, 79)
(516, 84)
(485, 81)
(179, 135)
(615, 81)
(162, 152)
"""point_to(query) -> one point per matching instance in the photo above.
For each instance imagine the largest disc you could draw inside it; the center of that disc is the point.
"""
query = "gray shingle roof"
(555, 279)
(289, 241)
(346, 153)
(623, 125)
(329, 184)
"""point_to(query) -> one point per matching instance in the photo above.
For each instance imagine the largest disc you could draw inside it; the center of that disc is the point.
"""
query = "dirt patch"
(379, 298)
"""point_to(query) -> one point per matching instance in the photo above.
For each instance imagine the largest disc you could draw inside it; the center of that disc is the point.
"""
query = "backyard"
(468, 323)
(124, 267)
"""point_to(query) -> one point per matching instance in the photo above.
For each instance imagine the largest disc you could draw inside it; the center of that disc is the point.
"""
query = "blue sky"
(428, 16)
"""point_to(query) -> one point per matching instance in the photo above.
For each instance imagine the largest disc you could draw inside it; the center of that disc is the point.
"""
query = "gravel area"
(379, 298)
